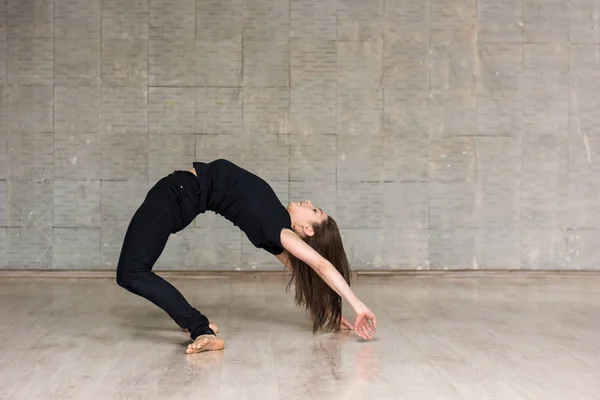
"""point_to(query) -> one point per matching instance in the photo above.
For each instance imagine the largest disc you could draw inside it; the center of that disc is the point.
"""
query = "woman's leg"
(144, 242)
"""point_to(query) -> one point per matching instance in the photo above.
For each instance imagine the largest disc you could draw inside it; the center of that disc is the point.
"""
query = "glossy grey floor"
(438, 338)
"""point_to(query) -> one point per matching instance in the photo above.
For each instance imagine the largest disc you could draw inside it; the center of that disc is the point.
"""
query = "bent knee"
(129, 276)
(123, 279)
(125, 276)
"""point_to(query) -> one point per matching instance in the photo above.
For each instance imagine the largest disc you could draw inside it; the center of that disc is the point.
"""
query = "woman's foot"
(205, 343)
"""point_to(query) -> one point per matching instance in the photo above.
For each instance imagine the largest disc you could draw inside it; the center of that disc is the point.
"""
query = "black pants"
(171, 205)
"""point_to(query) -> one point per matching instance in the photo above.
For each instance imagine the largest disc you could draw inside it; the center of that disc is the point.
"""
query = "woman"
(302, 237)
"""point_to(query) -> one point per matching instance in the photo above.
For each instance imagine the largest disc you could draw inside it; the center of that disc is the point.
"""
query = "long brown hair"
(323, 304)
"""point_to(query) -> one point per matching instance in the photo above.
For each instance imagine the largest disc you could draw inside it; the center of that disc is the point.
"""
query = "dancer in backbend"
(303, 237)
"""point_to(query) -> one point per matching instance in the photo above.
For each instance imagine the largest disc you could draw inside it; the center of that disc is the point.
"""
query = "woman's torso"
(246, 200)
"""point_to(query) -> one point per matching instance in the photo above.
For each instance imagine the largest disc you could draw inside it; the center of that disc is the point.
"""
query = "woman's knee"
(131, 274)
(126, 272)
(123, 278)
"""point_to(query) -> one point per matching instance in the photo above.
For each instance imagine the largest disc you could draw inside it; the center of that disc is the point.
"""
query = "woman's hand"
(345, 324)
(365, 324)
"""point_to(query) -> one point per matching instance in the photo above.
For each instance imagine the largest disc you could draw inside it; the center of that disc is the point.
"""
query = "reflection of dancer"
(325, 369)
(302, 237)
(366, 367)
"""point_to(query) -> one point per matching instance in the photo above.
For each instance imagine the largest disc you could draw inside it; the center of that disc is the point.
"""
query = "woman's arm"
(297, 247)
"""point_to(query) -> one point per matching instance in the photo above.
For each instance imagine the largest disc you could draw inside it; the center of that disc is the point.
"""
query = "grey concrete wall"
(440, 133)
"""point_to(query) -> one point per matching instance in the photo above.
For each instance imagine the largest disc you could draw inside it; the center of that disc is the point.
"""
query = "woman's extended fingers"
(370, 327)
(359, 332)
(366, 332)
(372, 321)
(363, 332)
